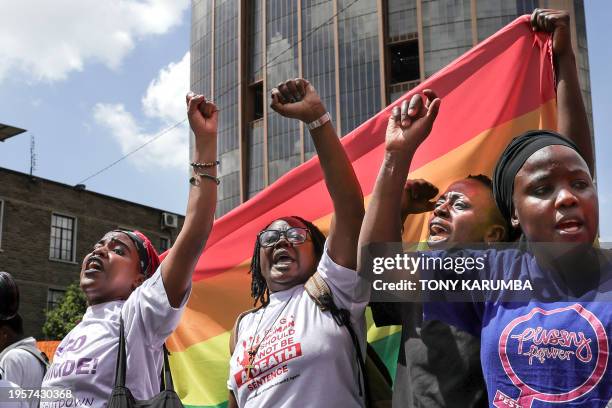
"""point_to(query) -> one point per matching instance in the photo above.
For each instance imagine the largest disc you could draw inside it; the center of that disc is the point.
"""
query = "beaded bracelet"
(204, 165)
(195, 180)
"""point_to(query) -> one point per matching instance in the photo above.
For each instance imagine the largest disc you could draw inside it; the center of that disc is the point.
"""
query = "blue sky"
(93, 80)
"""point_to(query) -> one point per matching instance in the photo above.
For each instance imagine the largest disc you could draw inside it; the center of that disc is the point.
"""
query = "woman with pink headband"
(131, 295)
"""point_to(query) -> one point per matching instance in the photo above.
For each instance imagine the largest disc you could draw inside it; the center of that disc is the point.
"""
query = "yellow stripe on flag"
(201, 371)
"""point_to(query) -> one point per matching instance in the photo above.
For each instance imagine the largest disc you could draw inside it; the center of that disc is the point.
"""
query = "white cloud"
(165, 97)
(164, 102)
(46, 40)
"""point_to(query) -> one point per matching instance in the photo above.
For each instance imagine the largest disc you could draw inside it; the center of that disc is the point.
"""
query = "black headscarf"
(513, 158)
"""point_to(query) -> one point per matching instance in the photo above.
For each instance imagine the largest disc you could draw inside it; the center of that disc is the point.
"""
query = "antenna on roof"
(32, 154)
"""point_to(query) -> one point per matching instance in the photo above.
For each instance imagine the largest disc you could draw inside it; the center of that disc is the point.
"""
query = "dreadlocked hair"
(259, 288)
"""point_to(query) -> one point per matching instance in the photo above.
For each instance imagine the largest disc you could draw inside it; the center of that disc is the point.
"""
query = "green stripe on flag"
(388, 350)
(221, 405)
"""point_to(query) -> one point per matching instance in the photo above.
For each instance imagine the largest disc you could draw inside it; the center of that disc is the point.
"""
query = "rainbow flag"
(495, 91)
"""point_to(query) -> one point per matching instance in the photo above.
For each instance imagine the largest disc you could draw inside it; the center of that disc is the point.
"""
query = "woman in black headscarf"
(543, 186)
(550, 344)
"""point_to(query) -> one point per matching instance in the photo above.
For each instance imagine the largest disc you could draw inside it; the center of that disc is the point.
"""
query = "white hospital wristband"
(319, 122)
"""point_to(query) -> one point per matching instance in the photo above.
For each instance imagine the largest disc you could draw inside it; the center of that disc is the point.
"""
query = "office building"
(359, 54)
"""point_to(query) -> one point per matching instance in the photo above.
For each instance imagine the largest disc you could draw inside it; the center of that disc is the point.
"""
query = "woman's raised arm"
(408, 127)
(178, 266)
(298, 99)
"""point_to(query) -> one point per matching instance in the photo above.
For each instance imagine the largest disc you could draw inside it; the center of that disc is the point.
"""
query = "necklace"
(252, 350)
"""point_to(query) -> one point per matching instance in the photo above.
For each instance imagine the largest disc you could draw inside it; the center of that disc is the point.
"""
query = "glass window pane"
(61, 237)
(358, 49)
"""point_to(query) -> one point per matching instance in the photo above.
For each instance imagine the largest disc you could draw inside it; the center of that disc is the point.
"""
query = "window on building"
(404, 72)
(256, 96)
(254, 140)
(62, 238)
(404, 61)
(54, 297)
(255, 158)
(525, 6)
(255, 39)
(1, 219)
(164, 244)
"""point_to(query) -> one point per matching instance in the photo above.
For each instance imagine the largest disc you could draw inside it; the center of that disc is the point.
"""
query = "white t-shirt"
(306, 359)
(85, 359)
(21, 367)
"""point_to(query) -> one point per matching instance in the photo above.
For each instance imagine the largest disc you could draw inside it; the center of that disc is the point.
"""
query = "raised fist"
(410, 125)
(297, 98)
(202, 115)
(417, 196)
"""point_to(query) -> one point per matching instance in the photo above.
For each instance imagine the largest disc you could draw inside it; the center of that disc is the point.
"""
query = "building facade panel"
(318, 50)
(284, 145)
(226, 98)
(201, 48)
(402, 19)
(255, 159)
(359, 62)
(492, 14)
(447, 32)
(255, 41)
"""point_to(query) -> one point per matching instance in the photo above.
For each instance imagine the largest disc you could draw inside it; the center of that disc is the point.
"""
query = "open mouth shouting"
(569, 226)
(282, 259)
(438, 230)
(94, 264)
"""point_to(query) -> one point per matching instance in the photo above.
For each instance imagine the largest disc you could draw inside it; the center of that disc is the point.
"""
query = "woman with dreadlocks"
(131, 295)
(287, 352)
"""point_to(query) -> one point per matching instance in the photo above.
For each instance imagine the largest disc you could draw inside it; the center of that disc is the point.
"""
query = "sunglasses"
(294, 236)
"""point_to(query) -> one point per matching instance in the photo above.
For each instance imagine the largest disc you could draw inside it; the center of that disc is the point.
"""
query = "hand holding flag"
(556, 22)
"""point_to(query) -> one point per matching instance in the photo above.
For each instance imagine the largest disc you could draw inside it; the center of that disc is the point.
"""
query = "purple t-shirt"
(538, 353)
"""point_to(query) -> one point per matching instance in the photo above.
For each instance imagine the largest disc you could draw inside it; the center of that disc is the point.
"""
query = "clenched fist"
(297, 99)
